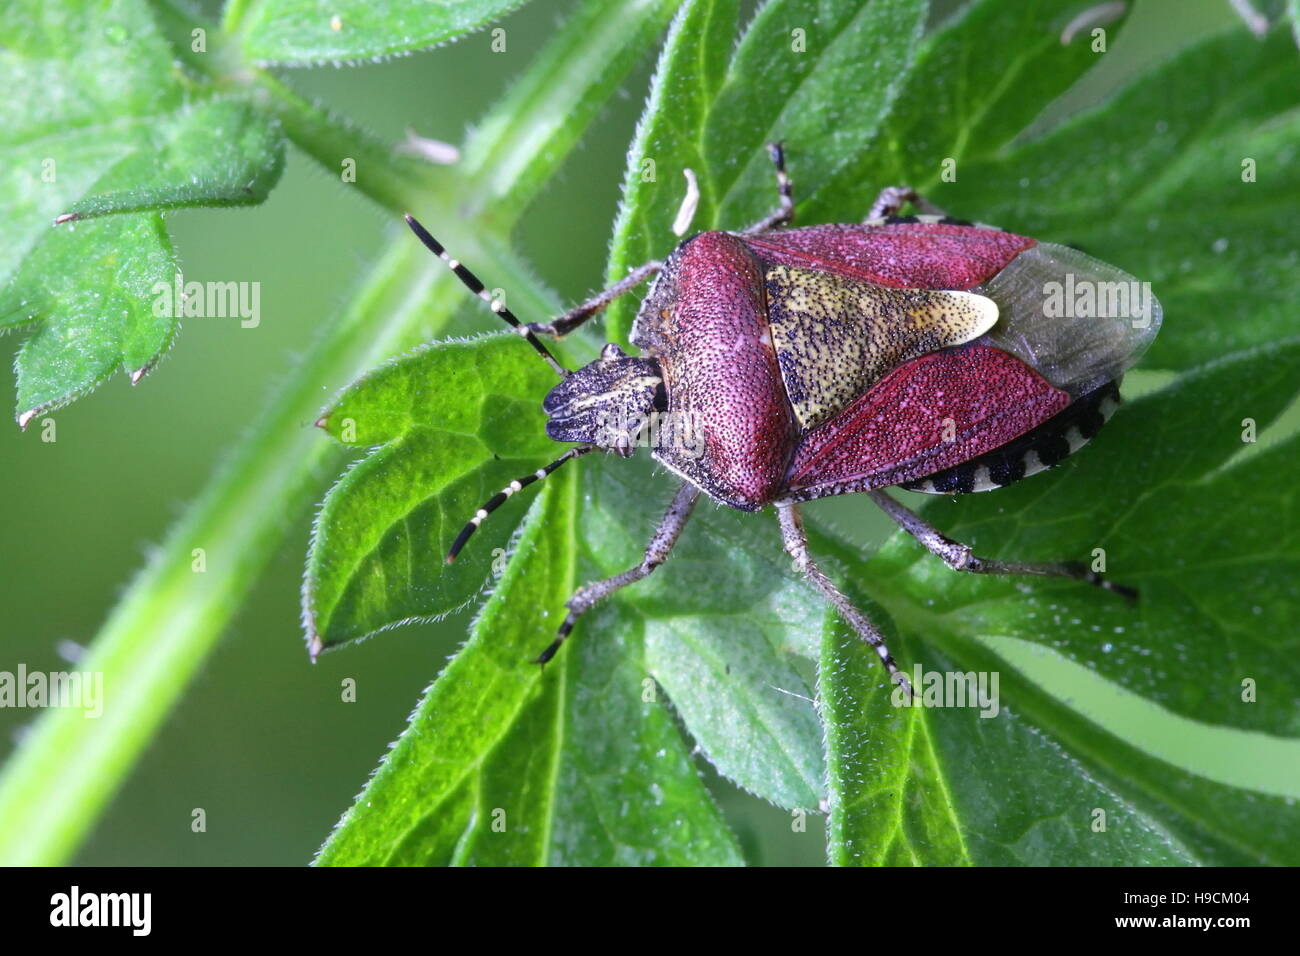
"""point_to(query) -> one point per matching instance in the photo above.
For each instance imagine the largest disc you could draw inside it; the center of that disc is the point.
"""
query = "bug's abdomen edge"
(1039, 449)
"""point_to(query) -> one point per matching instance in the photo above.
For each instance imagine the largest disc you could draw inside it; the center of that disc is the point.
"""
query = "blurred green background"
(262, 740)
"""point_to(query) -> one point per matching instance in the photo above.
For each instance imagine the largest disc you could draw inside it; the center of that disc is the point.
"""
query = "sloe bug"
(923, 352)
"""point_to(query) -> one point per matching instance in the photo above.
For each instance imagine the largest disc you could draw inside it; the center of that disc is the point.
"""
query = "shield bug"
(786, 364)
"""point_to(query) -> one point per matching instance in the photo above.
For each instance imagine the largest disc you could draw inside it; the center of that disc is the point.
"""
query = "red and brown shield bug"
(780, 365)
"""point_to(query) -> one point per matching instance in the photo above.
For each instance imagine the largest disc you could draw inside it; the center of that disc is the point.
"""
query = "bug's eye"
(665, 313)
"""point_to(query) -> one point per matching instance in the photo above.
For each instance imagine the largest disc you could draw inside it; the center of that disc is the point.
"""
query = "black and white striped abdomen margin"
(1037, 450)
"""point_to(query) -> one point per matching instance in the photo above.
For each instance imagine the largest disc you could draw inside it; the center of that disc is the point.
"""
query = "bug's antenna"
(474, 285)
(500, 498)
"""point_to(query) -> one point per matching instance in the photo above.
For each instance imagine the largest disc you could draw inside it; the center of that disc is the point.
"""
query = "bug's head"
(606, 402)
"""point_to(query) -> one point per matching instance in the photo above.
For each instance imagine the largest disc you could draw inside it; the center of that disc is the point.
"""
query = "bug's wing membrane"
(1076, 320)
(835, 337)
(929, 414)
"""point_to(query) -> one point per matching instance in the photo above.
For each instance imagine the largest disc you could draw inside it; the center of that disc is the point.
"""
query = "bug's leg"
(893, 198)
(656, 552)
(959, 556)
(796, 544)
(581, 313)
(784, 214)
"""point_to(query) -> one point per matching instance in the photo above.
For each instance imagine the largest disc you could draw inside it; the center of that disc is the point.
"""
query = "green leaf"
(493, 735)
(959, 104)
(805, 72)
(891, 803)
(1024, 788)
(452, 431)
(218, 153)
(456, 423)
(1216, 587)
(955, 788)
(731, 656)
(75, 145)
(93, 286)
(301, 32)
(500, 766)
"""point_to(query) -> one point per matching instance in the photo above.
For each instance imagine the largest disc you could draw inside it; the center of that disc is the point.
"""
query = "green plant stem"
(233, 15)
(511, 153)
(59, 780)
(157, 636)
(399, 184)
(169, 619)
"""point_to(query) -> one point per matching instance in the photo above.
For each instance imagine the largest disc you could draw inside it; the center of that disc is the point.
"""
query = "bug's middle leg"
(796, 544)
(656, 552)
(893, 198)
(960, 557)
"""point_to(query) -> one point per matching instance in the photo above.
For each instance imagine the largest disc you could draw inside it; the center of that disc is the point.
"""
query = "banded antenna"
(476, 286)
(502, 496)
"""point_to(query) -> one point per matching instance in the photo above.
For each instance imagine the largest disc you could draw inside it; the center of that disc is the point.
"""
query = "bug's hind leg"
(656, 552)
(784, 214)
(597, 303)
(796, 544)
(960, 557)
(893, 198)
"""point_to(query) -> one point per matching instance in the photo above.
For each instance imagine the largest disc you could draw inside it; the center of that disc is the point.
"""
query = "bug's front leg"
(893, 198)
(796, 544)
(656, 552)
(581, 313)
(960, 557)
